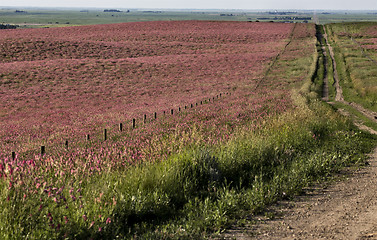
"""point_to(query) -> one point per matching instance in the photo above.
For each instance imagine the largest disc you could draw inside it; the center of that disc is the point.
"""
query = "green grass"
(347, 16)
(357, 73)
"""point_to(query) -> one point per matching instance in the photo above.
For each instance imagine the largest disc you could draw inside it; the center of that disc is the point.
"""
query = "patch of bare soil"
(344, 210)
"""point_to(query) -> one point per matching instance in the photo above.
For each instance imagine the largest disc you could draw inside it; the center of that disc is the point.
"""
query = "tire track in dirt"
(339, 92)
(325, 90)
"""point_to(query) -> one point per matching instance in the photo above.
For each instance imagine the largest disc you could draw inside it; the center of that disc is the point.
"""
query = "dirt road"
(345, 209)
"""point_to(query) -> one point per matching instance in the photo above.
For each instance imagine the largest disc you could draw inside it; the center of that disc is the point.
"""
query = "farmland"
(218, 119)
(40, 18)
(110, 76)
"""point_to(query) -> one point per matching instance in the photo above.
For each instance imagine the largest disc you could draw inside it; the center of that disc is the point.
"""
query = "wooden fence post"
(88, 137)
(145, 118)
(179, 109)
(155, 115)
(66, 144)
(43, 150)
(13, 156)
(105, 134)
(133, 123)
(172, 112)
(121, 127)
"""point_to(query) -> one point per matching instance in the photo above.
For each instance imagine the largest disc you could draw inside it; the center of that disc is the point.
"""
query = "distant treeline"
(112, 10)
(8, 26)
(282, 13)
(287, 18)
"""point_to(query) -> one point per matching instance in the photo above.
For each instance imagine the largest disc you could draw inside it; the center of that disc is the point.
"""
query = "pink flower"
(108, 220)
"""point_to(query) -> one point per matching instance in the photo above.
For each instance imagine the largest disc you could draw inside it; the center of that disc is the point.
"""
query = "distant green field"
(53, 18)
(338, 17)
(33, 17)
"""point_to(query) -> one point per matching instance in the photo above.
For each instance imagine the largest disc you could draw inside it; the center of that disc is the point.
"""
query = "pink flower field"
(59, 84)
(186, 83)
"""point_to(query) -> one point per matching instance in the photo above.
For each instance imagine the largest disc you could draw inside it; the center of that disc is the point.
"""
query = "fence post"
(88, 137)
(121, 127)
(13, 156)
(155, 115)
(192, 105)
(133, 123)
(179, 109)
(105, 134)
(43, 150)
(172, 112)
(66, 144)
(145, 118)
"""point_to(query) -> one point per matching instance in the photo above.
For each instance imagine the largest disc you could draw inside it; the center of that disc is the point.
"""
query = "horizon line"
(188, 9)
